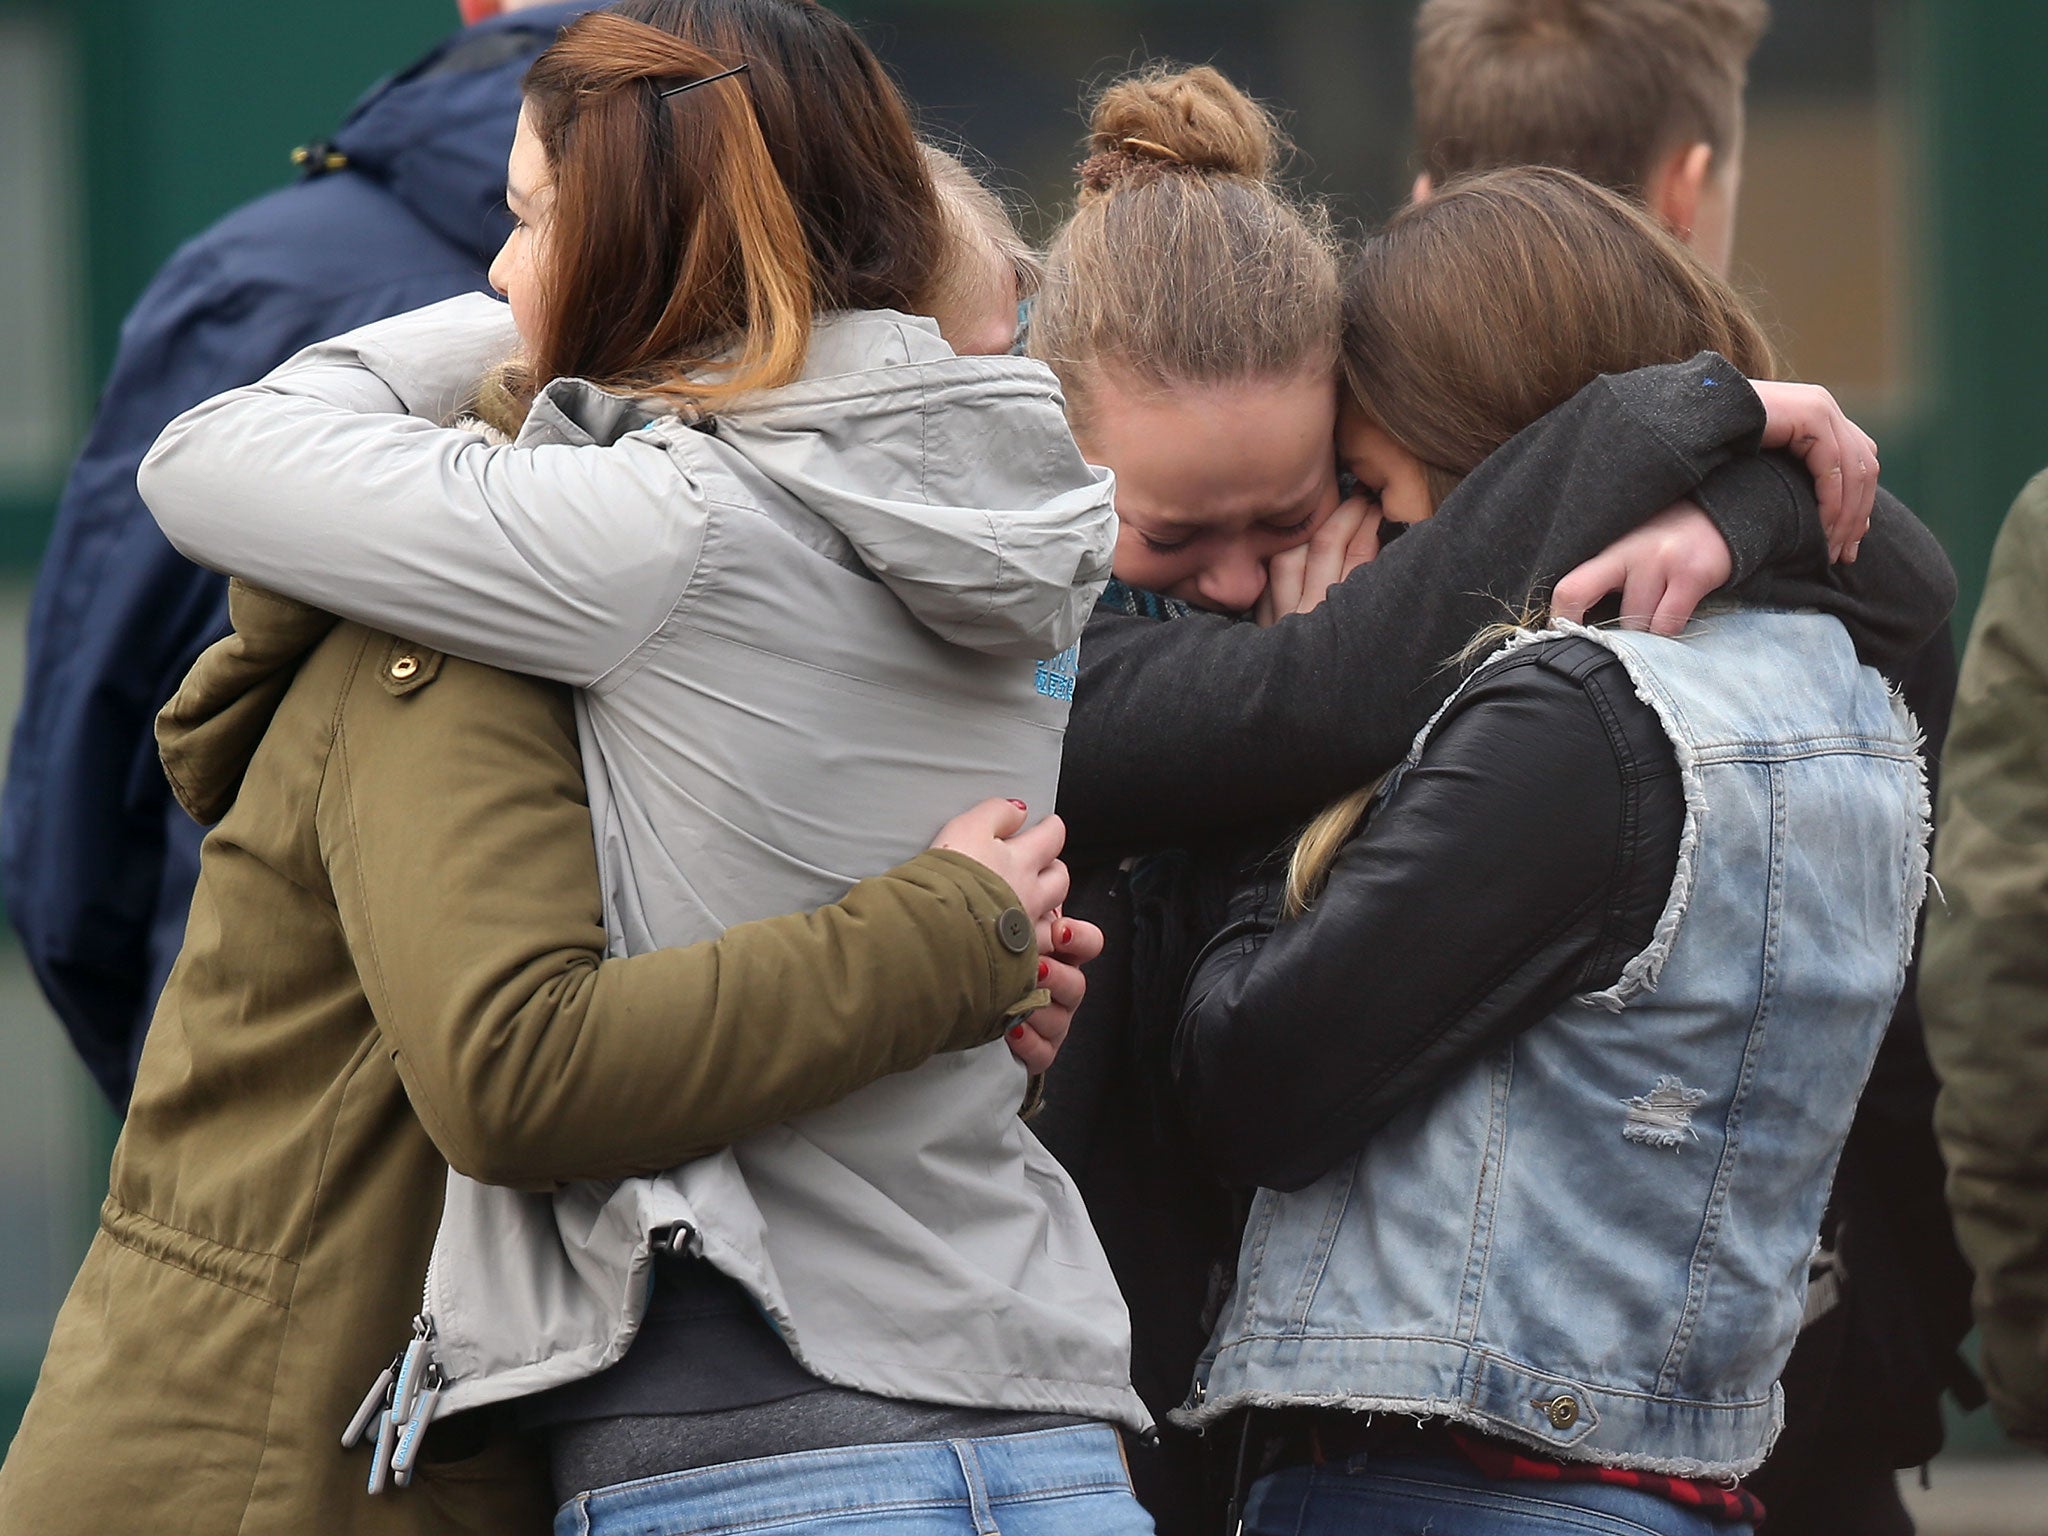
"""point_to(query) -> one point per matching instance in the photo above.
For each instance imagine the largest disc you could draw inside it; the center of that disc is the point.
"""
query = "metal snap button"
(1014, 929)
(405, 667)
(1563, 1412)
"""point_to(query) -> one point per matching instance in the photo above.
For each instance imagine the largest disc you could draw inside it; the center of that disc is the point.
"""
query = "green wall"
(184, 111)
(1986, 187)
(194, 109)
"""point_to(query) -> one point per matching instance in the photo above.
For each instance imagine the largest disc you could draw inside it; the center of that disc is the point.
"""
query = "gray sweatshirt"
(803, 634)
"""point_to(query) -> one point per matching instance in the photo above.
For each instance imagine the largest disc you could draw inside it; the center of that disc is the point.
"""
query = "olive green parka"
(1984, 970)
(396, 964)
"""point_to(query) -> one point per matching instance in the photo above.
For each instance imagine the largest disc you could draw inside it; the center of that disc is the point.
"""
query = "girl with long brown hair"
(1543, 1053)
(807, 569)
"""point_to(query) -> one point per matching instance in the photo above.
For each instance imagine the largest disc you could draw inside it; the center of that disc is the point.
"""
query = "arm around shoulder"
(1984, 969)
(457, 832)
(331, 481)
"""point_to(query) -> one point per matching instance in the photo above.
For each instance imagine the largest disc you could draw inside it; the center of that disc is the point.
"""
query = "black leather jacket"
(1525, 860)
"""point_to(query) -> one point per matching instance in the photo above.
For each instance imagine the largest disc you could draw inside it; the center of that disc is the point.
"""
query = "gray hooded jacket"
(805, 633)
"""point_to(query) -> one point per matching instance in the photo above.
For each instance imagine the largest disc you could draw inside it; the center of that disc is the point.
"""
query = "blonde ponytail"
(1320, 843)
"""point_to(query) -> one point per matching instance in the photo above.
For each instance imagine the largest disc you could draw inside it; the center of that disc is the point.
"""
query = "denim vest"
(1594, 1241)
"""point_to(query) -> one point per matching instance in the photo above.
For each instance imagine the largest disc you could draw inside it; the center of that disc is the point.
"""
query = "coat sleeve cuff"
(430, 359)
(2015, 1359)
(1767, 513)
(1012, 975)
(1700, 409)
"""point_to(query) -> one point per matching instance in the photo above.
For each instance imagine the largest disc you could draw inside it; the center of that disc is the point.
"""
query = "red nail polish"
(1017, 1032)
(1044, 969)
(1066, 934)
(1020, 805)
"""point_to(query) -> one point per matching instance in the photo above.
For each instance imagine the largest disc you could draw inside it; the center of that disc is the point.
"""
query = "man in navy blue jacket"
(402, 208)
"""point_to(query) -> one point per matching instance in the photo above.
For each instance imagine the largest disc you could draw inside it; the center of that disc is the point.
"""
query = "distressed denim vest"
(1594, 1241)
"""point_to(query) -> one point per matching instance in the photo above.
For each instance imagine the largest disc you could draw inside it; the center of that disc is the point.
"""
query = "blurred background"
(1894, 220)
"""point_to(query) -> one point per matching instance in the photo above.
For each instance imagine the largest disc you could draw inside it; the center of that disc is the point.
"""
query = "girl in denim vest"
(1543, 1051)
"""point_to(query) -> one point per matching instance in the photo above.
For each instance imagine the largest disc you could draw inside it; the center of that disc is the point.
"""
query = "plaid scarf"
(1122, 597)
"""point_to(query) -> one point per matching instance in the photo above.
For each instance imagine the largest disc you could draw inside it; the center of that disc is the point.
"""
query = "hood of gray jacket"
(954, 480)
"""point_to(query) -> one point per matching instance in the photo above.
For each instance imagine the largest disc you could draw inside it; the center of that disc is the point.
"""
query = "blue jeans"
(1055, 1482)
(1404, 1496)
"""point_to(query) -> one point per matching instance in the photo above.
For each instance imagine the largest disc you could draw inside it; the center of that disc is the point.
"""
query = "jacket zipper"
(402, 1403)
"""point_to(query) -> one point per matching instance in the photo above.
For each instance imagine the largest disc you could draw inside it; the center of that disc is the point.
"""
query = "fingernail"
(1020, 805)
(1044, 969)
(1066, 934)
(1016, 1031)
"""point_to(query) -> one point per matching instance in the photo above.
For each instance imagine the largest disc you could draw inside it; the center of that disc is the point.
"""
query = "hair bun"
(1180, 118)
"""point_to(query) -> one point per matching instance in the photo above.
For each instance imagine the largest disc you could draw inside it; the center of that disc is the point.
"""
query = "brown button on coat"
(395, 963)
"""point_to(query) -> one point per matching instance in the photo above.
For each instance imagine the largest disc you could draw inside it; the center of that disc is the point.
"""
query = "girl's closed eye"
(1168, 546)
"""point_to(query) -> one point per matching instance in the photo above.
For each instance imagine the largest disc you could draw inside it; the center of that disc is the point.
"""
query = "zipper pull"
(380, 1461)
(374, 1404)
(405, 1391)
(406, 1455)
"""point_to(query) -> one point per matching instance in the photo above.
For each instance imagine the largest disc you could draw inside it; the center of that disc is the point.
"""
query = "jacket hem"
(479, 1383)
(1498, 1396)
(1019, 1394)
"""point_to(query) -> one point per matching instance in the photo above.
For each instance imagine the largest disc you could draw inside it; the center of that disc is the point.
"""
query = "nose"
(1233, 582)
(494, 276)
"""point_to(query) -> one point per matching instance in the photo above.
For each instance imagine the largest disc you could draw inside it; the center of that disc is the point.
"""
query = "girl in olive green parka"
(395, 965)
